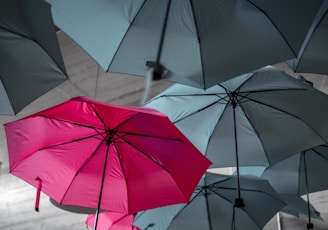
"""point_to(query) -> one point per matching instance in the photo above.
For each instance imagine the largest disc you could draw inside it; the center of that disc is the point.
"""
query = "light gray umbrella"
(300, 174)
(31, 62)
(180, 39)
(256, 119)
(212, 206)
(313, 57)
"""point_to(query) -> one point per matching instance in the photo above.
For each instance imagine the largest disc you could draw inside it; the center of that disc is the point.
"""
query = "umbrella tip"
(158, 70)
(303, 79)
(150, 226)
(239, 203)
(310, 226)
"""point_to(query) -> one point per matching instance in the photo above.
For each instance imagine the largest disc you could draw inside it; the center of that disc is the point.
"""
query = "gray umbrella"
(180, 39)
(31, 62)
(255, 119)
(212, 206)
(300, 174)
(295, 205)
(313, 57)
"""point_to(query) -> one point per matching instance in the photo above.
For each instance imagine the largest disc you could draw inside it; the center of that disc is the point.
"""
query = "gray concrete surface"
(87, 78)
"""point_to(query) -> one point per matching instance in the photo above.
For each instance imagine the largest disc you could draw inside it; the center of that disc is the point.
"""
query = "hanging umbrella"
(295, 205)
(312, 57)
(112, 221)
(300, 174)
(256, 119)
(212, 207)
(31, 62)
(90, 153)
(298, 207)
(178, 40)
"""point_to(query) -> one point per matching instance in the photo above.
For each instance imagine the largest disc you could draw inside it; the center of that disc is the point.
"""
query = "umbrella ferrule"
(239, 203)
(158, 70)
(310, 226)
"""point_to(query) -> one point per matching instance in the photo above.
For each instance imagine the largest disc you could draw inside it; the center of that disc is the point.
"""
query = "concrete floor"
(87, 78)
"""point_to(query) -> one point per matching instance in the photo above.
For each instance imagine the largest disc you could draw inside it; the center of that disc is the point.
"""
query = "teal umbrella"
(312, 57)
(256, 119)
(178, 40)
(300, 174)
(212, 207)
(31, 62)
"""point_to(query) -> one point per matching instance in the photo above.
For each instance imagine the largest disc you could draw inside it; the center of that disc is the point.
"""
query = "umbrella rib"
(272, 22)
(203, 108)
(58, 144)
(319, 154)
(309, 35)
(141, 151)
(17, 33)
(79, 170)
(71, 122)
(283, 111)
(123, 171)
(146, 155)
(278, 109)
(199, 43)
(185, 206)
(34, 40)
(249, 190)
(126, 32)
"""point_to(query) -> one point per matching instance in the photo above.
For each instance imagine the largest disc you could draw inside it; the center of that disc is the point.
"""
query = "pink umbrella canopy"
(112, 221)
(89, 153)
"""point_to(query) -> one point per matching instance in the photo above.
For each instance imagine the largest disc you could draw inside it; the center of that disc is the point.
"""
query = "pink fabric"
(150, 162)
(112, 221)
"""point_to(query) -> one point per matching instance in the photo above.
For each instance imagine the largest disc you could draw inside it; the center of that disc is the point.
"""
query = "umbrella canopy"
(112, 221)
(298, 207)
(295, 205)
(262, 117)
(31, 62)
(312, 57)
(257, 118)
(301, 174)
(90, 153)
(179, 39)
(212, 207)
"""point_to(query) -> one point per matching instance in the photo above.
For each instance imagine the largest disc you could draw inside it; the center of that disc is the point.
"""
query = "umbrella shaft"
(101, 188)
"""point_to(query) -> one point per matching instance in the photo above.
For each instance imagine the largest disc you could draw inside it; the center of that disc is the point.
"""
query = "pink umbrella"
(93, 154)
(112, 221)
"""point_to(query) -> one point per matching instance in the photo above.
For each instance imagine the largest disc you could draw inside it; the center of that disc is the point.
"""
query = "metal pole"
(309, 225)
(239, 202)
(102, 185)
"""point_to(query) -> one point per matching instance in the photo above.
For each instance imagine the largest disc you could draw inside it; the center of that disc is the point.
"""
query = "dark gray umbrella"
(313, 57)
(212, 206)
(301, 174)
(194, 42)
(31, 62)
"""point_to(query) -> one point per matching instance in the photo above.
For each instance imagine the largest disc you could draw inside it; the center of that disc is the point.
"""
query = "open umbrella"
(300, 174)
(256, 119)
(295, 205)
(180, 39)
(112, 221)
(212, 207)
(31, 62)
(312, 57)
(90, 153)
